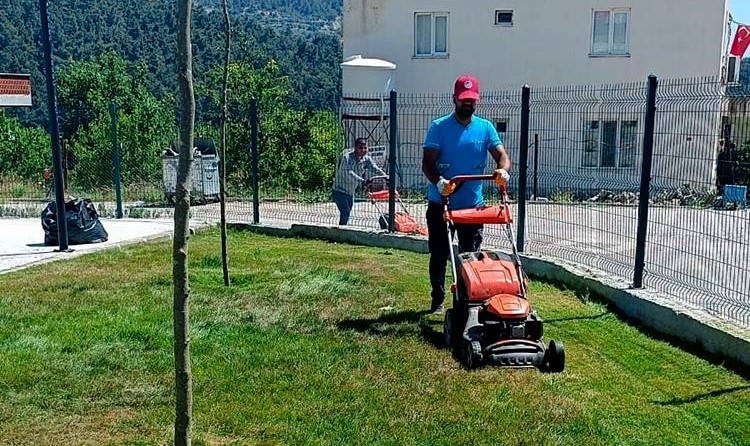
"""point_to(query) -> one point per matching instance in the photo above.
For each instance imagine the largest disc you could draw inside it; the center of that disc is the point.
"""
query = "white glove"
(445, 187)
(502, 173)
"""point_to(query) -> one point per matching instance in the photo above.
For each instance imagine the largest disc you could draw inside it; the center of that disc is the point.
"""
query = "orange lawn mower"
(402, 220)
(491, 320)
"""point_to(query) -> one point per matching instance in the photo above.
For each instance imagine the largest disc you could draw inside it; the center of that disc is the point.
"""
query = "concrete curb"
(689, 325)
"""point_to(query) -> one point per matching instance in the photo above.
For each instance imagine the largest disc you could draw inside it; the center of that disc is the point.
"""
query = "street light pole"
(57, 162)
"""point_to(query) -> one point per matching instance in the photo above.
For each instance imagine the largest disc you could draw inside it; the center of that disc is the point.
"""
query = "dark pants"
(344, 202)
(469, 239)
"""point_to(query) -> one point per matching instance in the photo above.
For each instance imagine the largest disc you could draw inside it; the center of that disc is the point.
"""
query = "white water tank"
(364, 76)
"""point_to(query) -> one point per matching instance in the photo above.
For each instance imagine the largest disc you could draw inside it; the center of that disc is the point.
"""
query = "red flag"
(741, 41)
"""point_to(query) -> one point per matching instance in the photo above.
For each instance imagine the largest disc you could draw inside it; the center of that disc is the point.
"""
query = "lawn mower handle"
(368, 182)
(495, 177)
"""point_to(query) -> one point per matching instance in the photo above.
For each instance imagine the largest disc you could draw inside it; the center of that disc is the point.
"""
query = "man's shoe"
(437, 306)
(439, 310)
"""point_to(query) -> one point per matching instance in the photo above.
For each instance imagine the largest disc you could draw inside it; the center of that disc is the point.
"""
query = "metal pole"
(65, 161)
(535, 186)
(523, 166)
(254, 157)
(62, 229)
(116, 158)
(648, 152)
(392, 151)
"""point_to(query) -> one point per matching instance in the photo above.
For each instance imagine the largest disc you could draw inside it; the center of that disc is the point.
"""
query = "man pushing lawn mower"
(351, 174)
(457, 144)
(490, 319)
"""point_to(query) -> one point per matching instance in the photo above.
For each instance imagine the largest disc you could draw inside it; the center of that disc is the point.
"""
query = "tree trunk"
(181, 286)
(223, 150)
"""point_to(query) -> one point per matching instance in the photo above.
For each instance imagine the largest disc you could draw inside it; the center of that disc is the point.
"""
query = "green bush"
(145, 125)
(24, 151)
(297, 148)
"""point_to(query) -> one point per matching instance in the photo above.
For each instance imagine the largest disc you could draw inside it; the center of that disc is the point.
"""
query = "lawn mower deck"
(403, 222)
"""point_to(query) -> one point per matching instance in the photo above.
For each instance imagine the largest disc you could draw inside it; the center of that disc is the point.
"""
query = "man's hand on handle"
(501, 177)
(445, 187)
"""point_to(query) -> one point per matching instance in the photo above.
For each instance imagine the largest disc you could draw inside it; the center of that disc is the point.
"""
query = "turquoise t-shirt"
(462, 150)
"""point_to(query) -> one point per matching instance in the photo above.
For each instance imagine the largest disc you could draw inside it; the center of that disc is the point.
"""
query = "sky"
(740, 10)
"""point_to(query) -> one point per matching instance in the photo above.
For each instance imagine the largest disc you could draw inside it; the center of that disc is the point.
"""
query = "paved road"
(22, 240)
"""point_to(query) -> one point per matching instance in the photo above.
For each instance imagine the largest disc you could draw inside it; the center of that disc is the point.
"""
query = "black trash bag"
(82, 222)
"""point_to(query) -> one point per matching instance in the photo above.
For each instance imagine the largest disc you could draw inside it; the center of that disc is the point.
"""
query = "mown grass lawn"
(326, 344)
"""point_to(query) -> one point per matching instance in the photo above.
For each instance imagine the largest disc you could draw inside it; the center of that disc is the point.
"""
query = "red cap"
(466, 87)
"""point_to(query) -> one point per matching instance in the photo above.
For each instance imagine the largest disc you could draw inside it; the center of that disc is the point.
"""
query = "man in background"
(355, 168)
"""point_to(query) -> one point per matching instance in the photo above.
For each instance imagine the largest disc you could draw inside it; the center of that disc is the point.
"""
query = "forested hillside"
(142, 31)
(298, 15)
(320, 9)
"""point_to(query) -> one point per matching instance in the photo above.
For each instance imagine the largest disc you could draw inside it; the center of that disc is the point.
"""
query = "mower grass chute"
(492, 320)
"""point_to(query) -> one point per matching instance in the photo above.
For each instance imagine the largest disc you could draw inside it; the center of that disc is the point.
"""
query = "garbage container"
(210, 176)
(204, 173)
(169, 173)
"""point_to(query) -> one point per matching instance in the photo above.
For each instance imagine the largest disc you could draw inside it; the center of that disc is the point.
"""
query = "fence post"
(115, 159)
(648, 152)
(254, 157)
(523, 167)
(535, 186)
(392, 151)
(62, 228)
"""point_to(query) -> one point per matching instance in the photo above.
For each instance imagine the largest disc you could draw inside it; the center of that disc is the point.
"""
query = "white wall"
(549, 43)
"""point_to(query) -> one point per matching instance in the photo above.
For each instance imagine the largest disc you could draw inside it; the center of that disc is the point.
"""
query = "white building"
(510, 43)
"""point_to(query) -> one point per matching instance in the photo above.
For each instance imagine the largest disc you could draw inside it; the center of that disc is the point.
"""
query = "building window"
(431, 34)
(610, 144)
(733, 70)
(503, 17)
(609, 32)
